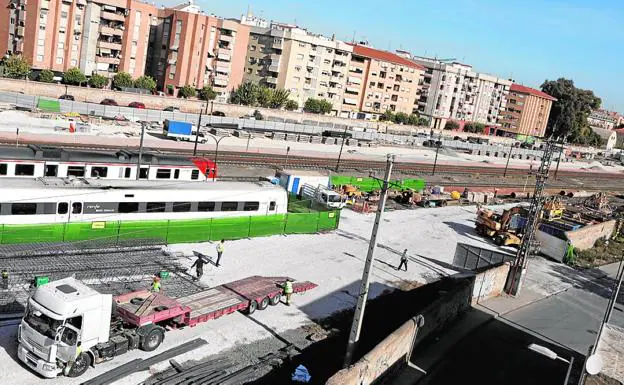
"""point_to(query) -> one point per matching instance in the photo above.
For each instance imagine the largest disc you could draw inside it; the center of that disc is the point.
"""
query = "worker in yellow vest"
(220, 248)
(156, 284)
(288, 290)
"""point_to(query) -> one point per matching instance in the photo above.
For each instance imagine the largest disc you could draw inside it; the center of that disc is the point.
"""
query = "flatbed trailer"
(249, 294)
(53, 338)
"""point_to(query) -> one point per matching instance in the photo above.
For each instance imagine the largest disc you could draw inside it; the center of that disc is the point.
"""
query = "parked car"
(171, 109)
(218, 113)
(109, 102)
(67, 97)
(136, 105)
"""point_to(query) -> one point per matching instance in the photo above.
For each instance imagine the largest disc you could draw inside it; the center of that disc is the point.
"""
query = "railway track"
(409, 168)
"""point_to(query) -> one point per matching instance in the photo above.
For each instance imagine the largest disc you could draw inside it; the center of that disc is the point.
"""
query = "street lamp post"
(544, 351)
(344, 134)
(508, 157)
(287, 152)
(435, 162)
(198, 129)
(217, 141)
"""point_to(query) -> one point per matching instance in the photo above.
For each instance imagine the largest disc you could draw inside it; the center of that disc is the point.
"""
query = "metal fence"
(476, 258)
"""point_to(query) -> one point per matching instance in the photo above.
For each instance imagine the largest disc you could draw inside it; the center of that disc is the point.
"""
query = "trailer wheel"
(264, 303)
(275, 299)
(137, 301)
(80, 365)
(253, 305)
(152, 340)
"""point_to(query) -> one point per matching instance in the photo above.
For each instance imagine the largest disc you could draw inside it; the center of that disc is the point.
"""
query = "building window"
(39, 57)
(24, 169)
(59, 60)
(299, 56)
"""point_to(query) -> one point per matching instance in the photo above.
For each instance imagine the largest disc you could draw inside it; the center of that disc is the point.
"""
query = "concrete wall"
(551, 246)
(490, 283)
(585, 237)
(375, 363)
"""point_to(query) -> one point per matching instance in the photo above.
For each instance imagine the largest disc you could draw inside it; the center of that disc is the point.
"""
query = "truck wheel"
(264, 303)
(177, 139)
(275, 299)
(80, 365)
(152, 340)
(253, 305)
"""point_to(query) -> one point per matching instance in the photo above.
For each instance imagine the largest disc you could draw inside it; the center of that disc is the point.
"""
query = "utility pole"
(344, 134)
(354, 335)
(518, 270)
(508, 157)
(138, 172)
(287, 152)
(559, 157)
(438, 144)
(201, 110)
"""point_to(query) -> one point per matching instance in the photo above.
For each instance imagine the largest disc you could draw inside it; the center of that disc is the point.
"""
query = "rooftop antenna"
(353, 39)
(249, 10)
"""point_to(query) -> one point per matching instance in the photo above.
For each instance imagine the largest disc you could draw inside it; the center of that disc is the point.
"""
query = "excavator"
(497, 226)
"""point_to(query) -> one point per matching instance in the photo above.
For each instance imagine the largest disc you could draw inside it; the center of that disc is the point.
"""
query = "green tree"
(401, 117)
(451, 125)
(187, 92)
(568, 115)
(312, 106)
(475, 128)
(145, 82)
(46, 76)
(74, 76)
(279, 98)
(265, 95)
(246, 94)
(325, 106)
(16, 67)
(123, 80)
(207, 93)
(387, 116)
(98, 81)
(291, 105)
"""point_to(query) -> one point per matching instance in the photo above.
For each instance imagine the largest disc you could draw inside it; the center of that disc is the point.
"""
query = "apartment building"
(191, 48)
(380, 81)
(489, 98)
(604, 119)
(526, 111)
(308, 65)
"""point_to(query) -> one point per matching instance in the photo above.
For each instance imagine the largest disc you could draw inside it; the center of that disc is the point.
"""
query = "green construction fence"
(174, 231)
(371, 184)
(49, 105)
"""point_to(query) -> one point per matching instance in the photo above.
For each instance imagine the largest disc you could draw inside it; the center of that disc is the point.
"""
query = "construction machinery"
(503, 228)
(553, 209)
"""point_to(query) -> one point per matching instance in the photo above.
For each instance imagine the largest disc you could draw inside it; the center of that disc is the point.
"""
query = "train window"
(24, 169)
(156, 207)
(62, 208)
(272, 205)
(24, 208)
(76, 208)
(143, 173)
(163, 173)
(51, 169)
(128, 207)
(179, 207)
(205, 206)
(76, 171)
(127, 172)
(251, 206)
(3, 168)
(99, 171)
(176, 173)
(195, 174)
(229, 206)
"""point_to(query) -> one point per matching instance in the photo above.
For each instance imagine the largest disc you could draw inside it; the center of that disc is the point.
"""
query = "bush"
(246, 94)
(98, 81)
(264, 96)
(46, 76)
(145, 82)
(279, 97)
(123, 80)
(207, 93)
(257, 115)
(16, 67)
(187, 92)
(74, 76)
(475, 128)
(401, 117)
(451, 125)
(291, 105)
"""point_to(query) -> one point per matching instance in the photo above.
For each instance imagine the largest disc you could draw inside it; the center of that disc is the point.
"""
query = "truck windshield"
(42, 323)
(335, 198)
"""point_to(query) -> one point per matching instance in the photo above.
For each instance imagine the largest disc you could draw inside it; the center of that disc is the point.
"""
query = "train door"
(62, 212)
(75, 211)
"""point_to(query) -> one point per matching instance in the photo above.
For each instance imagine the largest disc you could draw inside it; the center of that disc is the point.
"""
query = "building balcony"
(112, 16)
(224, 54)
(109, 31)
(350, 101)
(109, 60)
(274, 68)
(271, 80)
(223, 69)
(352, 90)
(221, 81)
(19, 31)
(227, 38)
(107, 45)
(45, 5)
(277, 45)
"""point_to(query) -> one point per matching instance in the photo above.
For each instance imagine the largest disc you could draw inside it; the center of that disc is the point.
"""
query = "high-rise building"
(486, 103)
(380, 81)
(191, 48)
(604, 119)
(308, 65)
(526, 112)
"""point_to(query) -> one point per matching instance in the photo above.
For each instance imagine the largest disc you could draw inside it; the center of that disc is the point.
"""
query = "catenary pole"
(358, 316)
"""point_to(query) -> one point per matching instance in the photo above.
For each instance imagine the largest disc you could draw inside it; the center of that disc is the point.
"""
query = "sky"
(529, 40)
